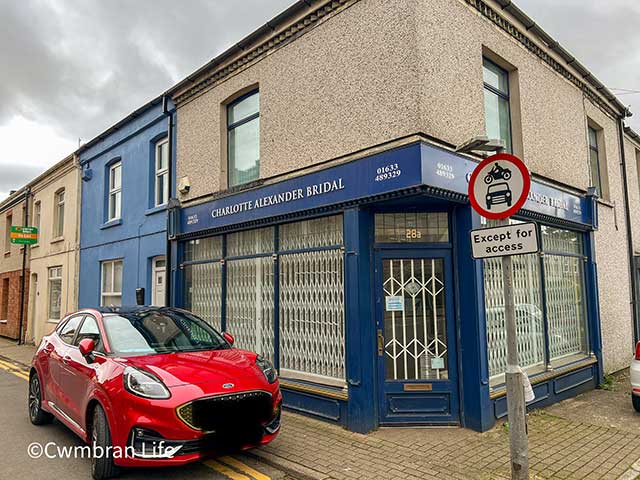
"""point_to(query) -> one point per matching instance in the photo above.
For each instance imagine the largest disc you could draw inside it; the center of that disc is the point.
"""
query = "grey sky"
(71, 68)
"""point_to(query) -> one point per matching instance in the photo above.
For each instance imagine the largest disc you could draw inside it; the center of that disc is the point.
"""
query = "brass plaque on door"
(418, 387)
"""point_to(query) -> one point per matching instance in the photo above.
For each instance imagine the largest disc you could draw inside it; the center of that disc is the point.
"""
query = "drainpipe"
(23, 279)
(168, 278)
(627, 210)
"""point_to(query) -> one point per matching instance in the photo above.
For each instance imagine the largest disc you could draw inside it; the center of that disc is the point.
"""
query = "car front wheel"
(36, 414)
(102, 466)
(636, 402)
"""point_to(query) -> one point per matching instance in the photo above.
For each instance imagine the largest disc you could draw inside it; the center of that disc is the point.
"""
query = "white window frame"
(58, 271)
(37, 217)
(161, 174)
(58, 214)
(112, 293)
(114, 192)
(8, 223)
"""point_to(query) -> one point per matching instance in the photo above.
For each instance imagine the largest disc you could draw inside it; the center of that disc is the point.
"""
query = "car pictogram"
(498, 193)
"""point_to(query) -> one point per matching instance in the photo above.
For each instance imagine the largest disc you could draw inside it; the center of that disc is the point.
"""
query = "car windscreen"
(160, 331)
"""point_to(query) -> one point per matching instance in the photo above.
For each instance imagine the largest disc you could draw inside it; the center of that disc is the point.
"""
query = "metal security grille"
(319, 232)
(203, 291)
(416, 336)
(565, 305)
(529, 318)
(250, 303)
(312, 313)
(250, 242)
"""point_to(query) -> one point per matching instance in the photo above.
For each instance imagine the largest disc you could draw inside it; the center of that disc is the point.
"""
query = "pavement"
(593, 436)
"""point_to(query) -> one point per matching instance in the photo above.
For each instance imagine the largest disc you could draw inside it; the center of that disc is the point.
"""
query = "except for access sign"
(499, 186)
(517, 239)
(24, 235)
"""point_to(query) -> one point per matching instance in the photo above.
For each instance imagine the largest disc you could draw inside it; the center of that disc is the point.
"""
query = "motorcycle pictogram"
(497, 173)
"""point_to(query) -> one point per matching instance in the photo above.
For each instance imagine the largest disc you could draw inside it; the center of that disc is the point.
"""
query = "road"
(17, 433)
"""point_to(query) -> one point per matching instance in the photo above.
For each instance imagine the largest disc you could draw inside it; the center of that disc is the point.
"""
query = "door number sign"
(499, 186)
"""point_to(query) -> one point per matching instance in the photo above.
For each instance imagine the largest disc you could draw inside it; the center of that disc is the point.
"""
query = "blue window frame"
(243, 139)
(496, 102)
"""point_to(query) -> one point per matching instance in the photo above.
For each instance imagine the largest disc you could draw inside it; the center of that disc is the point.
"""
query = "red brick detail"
(12, 327)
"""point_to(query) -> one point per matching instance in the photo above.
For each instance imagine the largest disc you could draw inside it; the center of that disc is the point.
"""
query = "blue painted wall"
(140, 235)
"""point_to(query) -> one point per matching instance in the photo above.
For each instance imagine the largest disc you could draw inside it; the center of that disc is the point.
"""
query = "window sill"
(6, 254)
(320, 390)
(319, 380)
(111, 223)
(606, 203)
(3, 322)
(53, 321)
(35, 245)
(57, 240)
(159, 208)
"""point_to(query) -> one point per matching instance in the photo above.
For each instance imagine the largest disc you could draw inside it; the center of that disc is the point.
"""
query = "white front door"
(158, 282)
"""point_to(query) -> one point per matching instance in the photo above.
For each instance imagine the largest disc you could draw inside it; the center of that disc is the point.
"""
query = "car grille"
(240, 414)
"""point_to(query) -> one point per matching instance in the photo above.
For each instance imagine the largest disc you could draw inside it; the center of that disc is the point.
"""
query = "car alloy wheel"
(36, 414)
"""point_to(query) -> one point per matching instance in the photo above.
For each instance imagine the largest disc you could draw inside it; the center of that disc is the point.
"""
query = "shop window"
(243, 139)
(58, 214)
(250, 242)
(564, 288)
(55, 293)
(422, 227)
(496, 102)
(312, 302)
(111, 292)
(319, 232)
(203, 249)
(563, 292)
(203, 291)
(4, 299)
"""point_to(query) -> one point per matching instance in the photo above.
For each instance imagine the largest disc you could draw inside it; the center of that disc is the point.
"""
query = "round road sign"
(499, 186)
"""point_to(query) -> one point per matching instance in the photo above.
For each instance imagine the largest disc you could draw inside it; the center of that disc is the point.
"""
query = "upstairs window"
(115, 191)
(162, 172)
(7, 232)
(243, 139)
(594, 160)
(58, 214)
(37, 212)
(496, 102)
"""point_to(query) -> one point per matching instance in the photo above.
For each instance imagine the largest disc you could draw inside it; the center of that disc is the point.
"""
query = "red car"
(150, 386)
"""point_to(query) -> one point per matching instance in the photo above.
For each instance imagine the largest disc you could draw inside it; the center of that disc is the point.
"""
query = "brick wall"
(11, 328)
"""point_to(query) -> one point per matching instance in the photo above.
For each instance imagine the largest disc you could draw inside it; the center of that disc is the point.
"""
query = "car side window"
(89, 329)
(68, 331)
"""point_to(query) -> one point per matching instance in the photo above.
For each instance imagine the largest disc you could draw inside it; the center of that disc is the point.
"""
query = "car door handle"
(66, 359)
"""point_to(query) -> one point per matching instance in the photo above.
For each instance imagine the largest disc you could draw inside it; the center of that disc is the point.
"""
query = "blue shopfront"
(357, 281)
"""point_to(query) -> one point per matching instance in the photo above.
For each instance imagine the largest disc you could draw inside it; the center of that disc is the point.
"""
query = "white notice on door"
(394, 303)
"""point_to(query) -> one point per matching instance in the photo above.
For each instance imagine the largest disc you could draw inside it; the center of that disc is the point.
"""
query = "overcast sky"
(72, 68)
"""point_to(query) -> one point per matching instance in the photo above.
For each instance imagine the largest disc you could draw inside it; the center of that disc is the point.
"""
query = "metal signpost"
(498, 188)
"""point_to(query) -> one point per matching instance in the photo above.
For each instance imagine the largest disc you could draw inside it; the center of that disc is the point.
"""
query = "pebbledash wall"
(347, 260)
(12, 212)
(123, 226)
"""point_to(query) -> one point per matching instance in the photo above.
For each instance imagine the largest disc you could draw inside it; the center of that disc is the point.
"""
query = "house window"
(115, 191)
(4, 299)
(594, 160)
(55, 293)
(37, 209)
(7, 232)
(243, 139)
(162, 172)
(111, 293)
(58, 214)
(496, 102)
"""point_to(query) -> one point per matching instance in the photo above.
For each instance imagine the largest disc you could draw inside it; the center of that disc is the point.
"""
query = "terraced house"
(324, 218)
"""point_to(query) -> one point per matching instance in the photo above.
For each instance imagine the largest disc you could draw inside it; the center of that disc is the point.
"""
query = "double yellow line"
(14, 369)
(227, 466)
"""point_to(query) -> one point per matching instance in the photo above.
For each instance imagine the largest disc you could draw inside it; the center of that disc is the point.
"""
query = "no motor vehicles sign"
(517, 239)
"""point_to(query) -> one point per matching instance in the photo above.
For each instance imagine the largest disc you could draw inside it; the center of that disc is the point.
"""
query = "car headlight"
(267, 368)
(144, 384)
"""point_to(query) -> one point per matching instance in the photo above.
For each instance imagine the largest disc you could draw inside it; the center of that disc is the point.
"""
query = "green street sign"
(24, 235)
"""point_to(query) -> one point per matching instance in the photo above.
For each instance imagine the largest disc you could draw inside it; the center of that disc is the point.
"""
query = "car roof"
(135, 309)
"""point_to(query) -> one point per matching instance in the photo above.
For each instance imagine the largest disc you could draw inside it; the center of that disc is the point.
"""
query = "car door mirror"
(86, 347)
(228, 337)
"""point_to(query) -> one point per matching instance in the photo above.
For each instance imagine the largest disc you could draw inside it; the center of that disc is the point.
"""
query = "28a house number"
(413, 233)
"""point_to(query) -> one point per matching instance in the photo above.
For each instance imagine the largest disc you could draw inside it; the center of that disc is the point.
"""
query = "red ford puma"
(152, 387)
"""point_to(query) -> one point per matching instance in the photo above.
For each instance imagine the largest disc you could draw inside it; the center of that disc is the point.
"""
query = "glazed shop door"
(416, 337)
